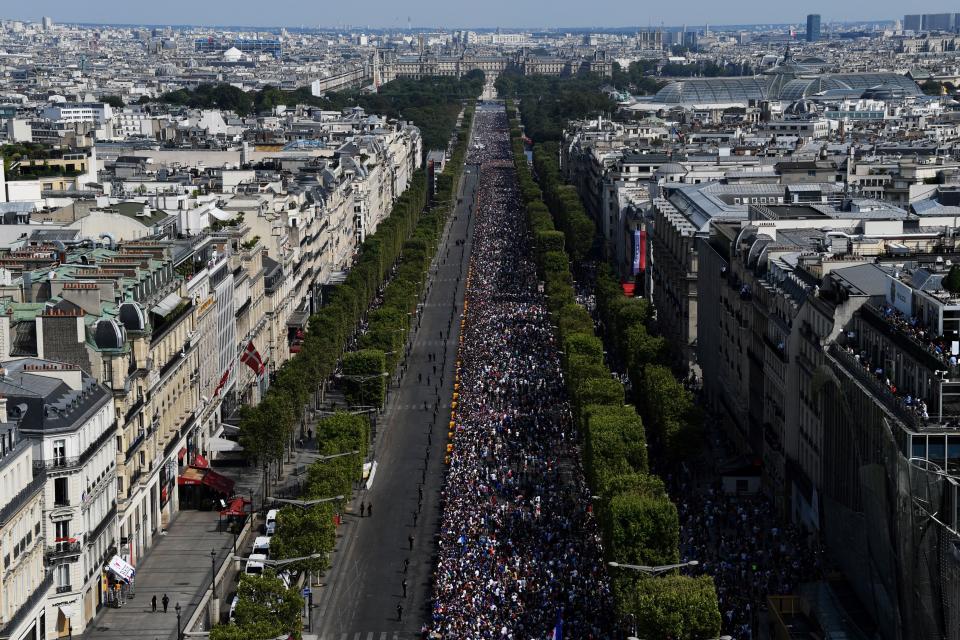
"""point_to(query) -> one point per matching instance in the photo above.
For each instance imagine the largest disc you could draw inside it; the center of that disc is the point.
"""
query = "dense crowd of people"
(737, 540)
(519, 549)
(748, 556)
(931, 340)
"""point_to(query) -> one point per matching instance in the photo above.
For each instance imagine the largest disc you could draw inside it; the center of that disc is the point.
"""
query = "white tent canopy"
(222, 444)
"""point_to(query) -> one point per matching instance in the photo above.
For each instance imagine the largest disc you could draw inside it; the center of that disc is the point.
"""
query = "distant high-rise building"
(938, 21)
(931, 22)
(47, 23)
(813, 27)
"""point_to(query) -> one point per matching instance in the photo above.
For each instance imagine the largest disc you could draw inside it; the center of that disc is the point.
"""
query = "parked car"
(271, 523)
(262, 545)
(255, 564)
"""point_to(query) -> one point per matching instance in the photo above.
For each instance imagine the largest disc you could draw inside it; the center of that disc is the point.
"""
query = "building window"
(63, 577)
(62, 539)
(61, 493)
(59, 452)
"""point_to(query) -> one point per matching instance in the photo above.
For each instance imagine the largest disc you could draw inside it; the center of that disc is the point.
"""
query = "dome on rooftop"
(131, 316)
(670, 168)
(108, 334)
(800, 108)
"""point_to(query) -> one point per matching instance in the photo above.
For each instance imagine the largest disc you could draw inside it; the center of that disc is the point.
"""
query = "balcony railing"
(132, 411)
(63, 550)
(109, 518)
(24, 496)
(133, 445)
(895, 405)
(64, 588)
(62, 462)
(27, 607)
(924, 350)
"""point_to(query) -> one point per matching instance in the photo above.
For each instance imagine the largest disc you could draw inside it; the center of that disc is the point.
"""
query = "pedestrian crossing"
(368, 635)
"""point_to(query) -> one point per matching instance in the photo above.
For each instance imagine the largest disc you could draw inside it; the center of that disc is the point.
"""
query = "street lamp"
(179, 632)
(653, 570)
(285, 561)
(213, 574)
(306, 503)
(319, 458)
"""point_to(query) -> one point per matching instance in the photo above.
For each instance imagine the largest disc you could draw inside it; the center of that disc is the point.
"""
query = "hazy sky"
(453, 13)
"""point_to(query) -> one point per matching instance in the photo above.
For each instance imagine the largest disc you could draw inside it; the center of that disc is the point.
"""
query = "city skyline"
(497, 13)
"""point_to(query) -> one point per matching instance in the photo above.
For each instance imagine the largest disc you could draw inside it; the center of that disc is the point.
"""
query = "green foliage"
(572, 318)
(343, 432)
(331, 478)
(265, 609)
(678, 607)
(951, 281)
(431, 103)
(932, 87)
(548, 102)
(114, 101)
(641, 526)
(612, 433)
(585, 344)
(670, 412)
(639, 523)
(636, 77)
(304, 532)
(364, 377)
(265, 428)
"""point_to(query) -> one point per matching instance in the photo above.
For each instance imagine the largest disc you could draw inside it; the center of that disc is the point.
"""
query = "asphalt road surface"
(359, 595)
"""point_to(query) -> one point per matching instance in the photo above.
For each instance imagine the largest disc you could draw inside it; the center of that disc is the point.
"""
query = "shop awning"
(298, 318)
(207, 477)
(167, 305)
(121, 569)
(190, 476)
(200, 462)
(237, 507)
(181, 453)
(222, 444)
(218, 482)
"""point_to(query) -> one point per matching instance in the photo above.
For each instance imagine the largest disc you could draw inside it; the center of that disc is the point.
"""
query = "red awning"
(200, 462)
(236, 507)
(181, 453)
(217, 482)
(628, 288)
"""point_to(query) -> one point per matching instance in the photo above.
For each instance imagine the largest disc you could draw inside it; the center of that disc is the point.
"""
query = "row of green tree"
(639, 523)
(365, 371)
(411, 232)
(431, 103)
(399, 251)
(550, 101)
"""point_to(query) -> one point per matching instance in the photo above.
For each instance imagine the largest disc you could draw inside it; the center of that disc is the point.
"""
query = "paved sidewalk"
(178, 565)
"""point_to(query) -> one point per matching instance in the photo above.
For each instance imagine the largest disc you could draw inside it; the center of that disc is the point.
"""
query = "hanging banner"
(121, 569)
(636, 251)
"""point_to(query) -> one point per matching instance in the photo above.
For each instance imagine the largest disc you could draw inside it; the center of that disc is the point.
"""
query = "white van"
(261, 545)
(255, 564)
(271, 524)
(233, 608)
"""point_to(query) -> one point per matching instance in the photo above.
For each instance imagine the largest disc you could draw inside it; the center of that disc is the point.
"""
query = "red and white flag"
(251, 358)
(223, 380)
